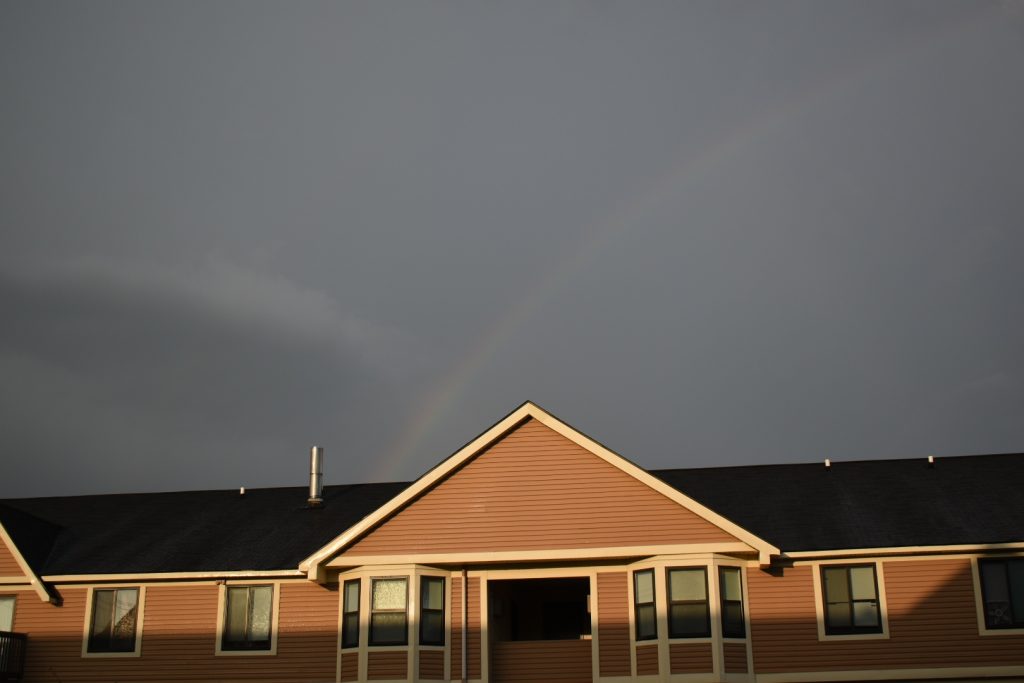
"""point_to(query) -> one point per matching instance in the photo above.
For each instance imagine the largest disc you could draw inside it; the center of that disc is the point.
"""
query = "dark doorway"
(539, 609)
(540, 630)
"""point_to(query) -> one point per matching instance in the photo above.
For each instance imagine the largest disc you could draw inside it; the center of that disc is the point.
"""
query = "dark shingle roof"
(873, 503)
(188, 530)
(867, 503)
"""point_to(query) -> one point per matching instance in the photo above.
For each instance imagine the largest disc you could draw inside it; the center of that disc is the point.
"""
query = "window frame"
(405, 612)
(826, 632)
(222, 620)
(90, 606)
(345, 612)
(637, 605)
(424, 579)
(722, 569)
(706, 602)
(979, 597)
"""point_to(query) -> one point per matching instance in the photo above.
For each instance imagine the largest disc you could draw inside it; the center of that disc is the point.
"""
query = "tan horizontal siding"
(534, 490)
(647, 660)
(932, 623)
(613, 623)
(8, 565)
(474, 620)
(388, 665)
(690, 658)
(539, 661)
(472, 634)
(455, 650)
(350, 665)
(432, 665)
(178, 639)
(735, 657)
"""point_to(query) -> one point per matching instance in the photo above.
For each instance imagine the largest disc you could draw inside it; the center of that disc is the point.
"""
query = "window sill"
(246, 653)
(852, 637)
(1001, 631)
(109, 655)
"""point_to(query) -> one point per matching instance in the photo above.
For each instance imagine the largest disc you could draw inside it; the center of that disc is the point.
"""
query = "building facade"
(533, 553)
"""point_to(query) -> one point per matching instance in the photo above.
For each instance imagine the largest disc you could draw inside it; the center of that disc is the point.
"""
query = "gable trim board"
(30, 575)
(314, 564)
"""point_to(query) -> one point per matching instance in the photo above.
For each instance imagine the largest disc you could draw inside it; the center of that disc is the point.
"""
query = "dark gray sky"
(705, 233)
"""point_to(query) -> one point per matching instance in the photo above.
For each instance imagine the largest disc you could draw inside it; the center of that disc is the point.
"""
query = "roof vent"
(241, 490)
(828, 464)
(316, 475)
(931, 461)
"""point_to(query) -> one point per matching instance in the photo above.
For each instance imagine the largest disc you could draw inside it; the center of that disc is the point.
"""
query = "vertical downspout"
(465, 625)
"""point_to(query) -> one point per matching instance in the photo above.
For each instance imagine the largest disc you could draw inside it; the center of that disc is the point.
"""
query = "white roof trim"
(312, 564)
(37, 584)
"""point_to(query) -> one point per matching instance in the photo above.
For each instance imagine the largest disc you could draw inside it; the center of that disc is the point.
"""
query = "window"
(388, 616)
(7, 613)
(1002, 591)
(730, 584)
(247, 618)
(851, 599)
(688, 615)
(431, 610)
(350, 615)
(114, 615)
(643, 599)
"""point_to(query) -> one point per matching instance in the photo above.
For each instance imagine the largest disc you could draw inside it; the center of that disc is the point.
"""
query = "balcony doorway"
(540, 630)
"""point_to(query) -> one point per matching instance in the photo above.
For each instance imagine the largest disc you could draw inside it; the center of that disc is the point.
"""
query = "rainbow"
(712, 157)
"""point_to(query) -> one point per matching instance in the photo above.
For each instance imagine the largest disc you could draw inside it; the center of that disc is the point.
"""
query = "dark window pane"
(1016, 571)
(996, 589)
(732, 620)
(838, 615)
(688, 620)
(388, 628)
(102, 616)
(350, 630)
(645, 622)
(432, 628)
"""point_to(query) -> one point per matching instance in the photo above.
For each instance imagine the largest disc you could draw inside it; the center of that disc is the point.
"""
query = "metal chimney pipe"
(316, 476)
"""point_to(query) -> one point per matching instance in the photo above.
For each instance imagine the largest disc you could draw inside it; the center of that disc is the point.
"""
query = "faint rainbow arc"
(704, 162)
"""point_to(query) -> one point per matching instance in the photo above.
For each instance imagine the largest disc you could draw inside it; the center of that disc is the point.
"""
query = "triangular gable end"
(511, 456)
(14, 566)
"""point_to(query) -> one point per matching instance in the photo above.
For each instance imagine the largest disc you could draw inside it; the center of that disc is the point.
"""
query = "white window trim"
(275, 612)
(710, 562)
(819, 607)
(979, 599)
(412, 573)
(139, 618)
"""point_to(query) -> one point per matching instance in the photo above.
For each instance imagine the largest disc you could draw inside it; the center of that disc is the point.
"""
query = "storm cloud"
(704, 233)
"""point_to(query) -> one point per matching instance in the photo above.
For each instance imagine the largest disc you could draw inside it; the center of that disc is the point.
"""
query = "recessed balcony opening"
(540, 630)
(539, 609)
